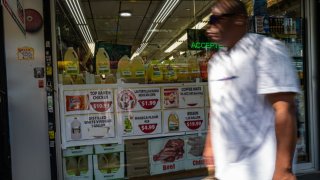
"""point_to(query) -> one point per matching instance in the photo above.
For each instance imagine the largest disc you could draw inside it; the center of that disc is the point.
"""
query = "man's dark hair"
(233, 6)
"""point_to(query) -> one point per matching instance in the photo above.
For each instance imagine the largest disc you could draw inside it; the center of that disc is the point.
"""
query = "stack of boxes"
(137, 158)
(77, 163)
(108, 161)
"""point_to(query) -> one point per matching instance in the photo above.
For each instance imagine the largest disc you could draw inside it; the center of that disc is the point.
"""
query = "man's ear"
(240, 20)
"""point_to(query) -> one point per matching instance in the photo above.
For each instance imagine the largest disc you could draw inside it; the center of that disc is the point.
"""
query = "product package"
(137, 158)
(108, 161)
(141, 123)
(194, 149)
(77, 163)
(166, 154)
(183, 120)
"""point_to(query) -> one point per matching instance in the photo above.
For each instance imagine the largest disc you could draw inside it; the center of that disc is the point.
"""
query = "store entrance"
(5, 165)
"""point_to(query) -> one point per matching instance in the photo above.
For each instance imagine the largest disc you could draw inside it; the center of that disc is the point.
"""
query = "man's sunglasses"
(214, 19)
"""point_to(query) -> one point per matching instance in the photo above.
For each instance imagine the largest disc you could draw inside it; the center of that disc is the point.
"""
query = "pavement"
(310, 176)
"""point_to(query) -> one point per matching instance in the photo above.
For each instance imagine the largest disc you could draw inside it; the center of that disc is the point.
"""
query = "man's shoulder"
(265, 41)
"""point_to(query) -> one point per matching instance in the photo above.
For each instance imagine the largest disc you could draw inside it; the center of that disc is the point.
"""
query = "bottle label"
(140, 74)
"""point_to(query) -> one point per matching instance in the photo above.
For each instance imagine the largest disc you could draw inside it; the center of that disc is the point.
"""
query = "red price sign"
(148, 103)
(147, 128)
(101, 106)
(193, 125)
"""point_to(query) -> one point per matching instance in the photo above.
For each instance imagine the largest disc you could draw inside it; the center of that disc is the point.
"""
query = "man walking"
(252, 85)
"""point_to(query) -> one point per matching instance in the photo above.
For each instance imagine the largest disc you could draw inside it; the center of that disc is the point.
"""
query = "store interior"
(137, 37)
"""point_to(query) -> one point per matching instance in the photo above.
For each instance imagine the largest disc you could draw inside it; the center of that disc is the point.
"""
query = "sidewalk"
(311, 176)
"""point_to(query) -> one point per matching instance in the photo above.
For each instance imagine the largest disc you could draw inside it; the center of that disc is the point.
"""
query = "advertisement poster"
(183, 120)
(88, 101)
(183, 97)
(138, 99)
(141, 123)
(166, 154)
(194, 149)
(90, 126)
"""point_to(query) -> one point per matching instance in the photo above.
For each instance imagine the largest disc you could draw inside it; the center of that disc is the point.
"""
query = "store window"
(132, 83)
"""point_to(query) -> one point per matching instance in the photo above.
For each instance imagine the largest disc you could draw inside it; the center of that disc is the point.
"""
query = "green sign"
(197, 40)
(205, 45)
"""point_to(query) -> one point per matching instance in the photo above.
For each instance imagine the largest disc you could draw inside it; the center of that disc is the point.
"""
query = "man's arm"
(286, 133)
(208, 154)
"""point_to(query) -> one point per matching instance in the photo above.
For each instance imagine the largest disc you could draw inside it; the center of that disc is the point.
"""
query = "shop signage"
(138, 99)
(162, 162)
(141, 123)
(25, 53)
(183, 97)
(90, 126)
(88, 101)
(197, 40)
(194, 148)
(183, 120)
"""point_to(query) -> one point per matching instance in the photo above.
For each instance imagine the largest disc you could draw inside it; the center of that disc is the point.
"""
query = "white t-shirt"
(242, 120)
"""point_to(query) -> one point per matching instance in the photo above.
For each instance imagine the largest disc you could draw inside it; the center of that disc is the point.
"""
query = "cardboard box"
(108, 161)
(138, 170)
(134, 157)
(77, 163)
(141, 123)
(183, 120)
(194, 149)
(136, 145)
(161, 162)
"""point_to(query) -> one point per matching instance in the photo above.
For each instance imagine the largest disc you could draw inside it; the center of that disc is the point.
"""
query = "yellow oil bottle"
(154, 71)
(71, 62)
(169, 73)
(102, 62)
(138, 69)
(124, 68)
(193, 67)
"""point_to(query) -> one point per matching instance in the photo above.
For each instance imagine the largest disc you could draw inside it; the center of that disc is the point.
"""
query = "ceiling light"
(184, 37)
(76, 11)
(166, 9)
(125, 14)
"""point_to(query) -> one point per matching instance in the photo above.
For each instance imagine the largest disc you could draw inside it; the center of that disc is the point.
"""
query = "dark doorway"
(5, 165)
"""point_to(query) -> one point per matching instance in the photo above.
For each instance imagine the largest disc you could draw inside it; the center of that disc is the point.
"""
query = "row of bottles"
(180, 69)
(279, 25)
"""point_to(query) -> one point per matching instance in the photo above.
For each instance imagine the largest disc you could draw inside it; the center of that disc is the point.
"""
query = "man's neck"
(235, 40)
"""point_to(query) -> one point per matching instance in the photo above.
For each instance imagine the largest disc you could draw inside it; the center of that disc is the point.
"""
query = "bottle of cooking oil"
(137, 66)
(71, 62)
(102, 62)
(193, 67)
(154, 71)
(169, 73)
(182, 69)
(124, 68)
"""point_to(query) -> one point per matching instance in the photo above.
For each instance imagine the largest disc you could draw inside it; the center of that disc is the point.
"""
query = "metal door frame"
(311, 87)
(5, 153)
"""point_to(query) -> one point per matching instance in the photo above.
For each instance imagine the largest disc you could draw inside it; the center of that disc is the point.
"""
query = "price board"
(138, 99)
